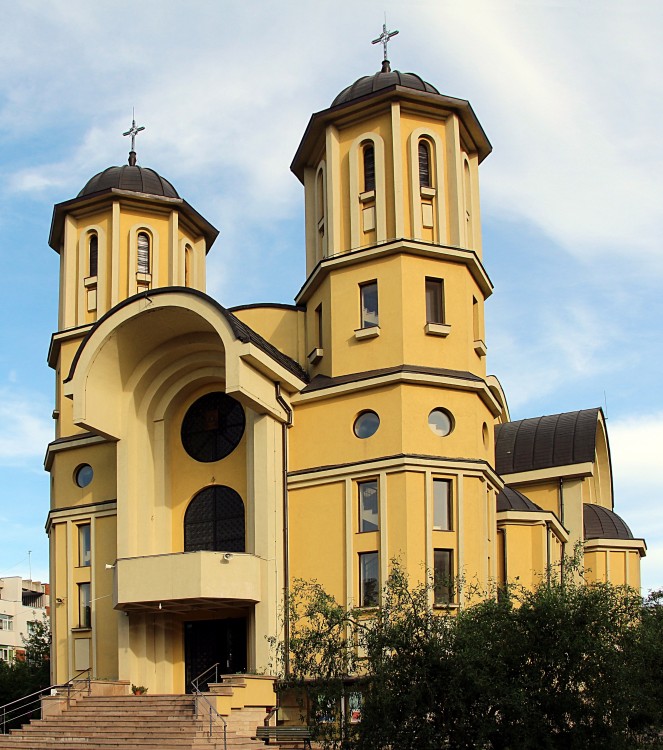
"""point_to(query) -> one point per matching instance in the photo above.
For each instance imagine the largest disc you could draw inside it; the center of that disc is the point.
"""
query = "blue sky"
(570, 94)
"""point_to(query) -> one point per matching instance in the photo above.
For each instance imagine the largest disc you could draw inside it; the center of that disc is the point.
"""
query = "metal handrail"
(213, 713)
(196, 680)
(11, 715)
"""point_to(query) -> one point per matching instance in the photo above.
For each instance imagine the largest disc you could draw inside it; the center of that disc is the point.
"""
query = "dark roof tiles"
(601, 523)
(133, 178)
(544, 442)
(510, 499)
(371, 84)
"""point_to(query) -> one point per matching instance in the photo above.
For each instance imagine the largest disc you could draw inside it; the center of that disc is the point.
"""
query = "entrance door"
(207, 642)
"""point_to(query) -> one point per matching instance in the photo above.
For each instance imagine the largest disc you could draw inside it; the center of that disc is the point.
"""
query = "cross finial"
(384, 38)
(133, 132)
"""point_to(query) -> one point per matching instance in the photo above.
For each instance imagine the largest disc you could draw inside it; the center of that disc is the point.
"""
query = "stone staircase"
(155, 722)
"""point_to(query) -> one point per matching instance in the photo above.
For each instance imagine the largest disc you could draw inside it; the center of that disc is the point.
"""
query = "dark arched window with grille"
(424, 164)
(214, 521)
(143, 253)
(93, 254)
(369, 167)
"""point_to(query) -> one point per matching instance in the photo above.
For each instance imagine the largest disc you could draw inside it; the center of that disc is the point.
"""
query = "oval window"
(213, 427)
(366, 424)
(441, 422)
(83, 475)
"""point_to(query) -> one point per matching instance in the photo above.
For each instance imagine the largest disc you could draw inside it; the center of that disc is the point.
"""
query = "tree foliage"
(29, 675)
(567, 665)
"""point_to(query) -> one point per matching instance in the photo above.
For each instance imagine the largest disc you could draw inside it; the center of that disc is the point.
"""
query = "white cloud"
(636, 447)
(26, 430)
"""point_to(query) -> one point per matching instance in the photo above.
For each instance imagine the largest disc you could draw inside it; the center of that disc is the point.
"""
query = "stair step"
(155, 722)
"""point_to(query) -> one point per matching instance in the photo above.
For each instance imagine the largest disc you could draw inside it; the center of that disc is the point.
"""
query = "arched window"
(424, 164)
(143, 252)
(93, 254)
(214, 521)
(369, 167)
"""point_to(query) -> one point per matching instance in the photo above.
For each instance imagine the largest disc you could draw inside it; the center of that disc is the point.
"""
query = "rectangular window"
(6, 653)
(369, 304)
(434, 301)
(84, 606)
(443, 583)
(368, 579)
(442, 504)
(84, 549)
(6, 622)
(368, 505)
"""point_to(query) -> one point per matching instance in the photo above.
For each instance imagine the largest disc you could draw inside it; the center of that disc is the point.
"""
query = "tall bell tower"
(394, 300)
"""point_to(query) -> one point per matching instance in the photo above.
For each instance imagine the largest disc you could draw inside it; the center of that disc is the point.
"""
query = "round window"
(83, 475)
(366, 424)
(213, 427)
(441, 422)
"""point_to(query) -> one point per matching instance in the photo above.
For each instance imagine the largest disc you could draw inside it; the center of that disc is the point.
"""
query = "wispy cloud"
(26, 429)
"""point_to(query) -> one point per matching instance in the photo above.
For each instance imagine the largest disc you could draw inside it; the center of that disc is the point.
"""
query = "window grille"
(424, 164)
(143, 253)
(93, 254)
(215, 521)
(369, 168)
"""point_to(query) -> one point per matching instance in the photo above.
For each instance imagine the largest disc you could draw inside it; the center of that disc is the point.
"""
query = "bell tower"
(394, 300)
(393, 229)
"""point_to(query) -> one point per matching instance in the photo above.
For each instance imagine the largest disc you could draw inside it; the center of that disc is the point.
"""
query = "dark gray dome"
(134, 178)
(510, 499)
(601, 523)
(384, 79)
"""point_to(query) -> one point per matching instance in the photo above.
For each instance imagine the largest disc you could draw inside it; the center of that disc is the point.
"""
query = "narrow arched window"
(143, 253)
(93, 254)
(215, 521)
(424, 164)
(369, 167)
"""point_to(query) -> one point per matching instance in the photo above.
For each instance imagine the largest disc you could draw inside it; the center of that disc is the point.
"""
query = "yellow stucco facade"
(204, 458)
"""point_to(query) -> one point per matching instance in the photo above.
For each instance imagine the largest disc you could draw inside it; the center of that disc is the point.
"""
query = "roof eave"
(207, 230)
(320, 119)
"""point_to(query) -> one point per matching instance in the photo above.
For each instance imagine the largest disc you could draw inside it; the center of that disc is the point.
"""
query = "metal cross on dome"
(384, 38)
(133, 131)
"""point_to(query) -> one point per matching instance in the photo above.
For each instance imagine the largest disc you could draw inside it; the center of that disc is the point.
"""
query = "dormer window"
(369, 167)
(143, 252)
(93, 254)
(424, 164)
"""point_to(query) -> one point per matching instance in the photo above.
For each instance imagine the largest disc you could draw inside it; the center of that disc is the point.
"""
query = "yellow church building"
(206, 457)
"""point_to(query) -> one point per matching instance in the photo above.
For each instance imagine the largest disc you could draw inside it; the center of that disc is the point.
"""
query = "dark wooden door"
(207, 642)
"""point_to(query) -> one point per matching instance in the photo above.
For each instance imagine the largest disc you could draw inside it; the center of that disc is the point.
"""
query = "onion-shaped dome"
(387, 77)
(511, 499)
(130, 177)
(601, 523)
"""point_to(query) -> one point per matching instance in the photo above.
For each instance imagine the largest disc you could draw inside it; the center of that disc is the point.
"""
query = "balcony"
(184, 581)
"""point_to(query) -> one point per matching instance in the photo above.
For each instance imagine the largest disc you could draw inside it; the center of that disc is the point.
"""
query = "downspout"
(286, 533)
(502, 531)
(548, 561)
(561, 513)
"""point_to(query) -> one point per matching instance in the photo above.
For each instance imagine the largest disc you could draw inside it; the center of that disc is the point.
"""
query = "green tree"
(25, 677)
(38, 643)
(566, 665)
